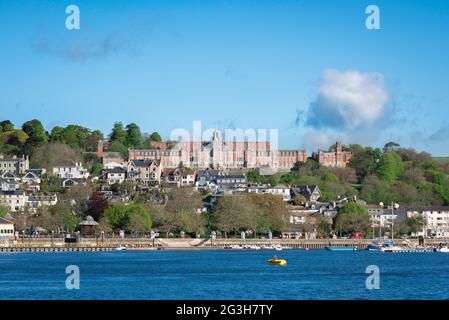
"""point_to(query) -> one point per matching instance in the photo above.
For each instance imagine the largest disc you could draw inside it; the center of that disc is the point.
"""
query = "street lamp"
(52, 236)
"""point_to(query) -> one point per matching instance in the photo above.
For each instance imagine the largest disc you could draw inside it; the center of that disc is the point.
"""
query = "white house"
(36, 201)
(436, 220)
(31, 177)
(15, 201)
(70, 169)
(179, 177)
(115, 175)
(280, 190)
(6, 228)
(9, 185)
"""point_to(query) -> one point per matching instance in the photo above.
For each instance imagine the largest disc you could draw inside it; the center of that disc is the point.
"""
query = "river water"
(224, 274)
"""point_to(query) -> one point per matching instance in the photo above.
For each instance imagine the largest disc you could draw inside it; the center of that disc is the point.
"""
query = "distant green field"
(441, 159)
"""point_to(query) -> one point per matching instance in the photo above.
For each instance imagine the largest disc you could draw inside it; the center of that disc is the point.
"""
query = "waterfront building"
(218, 154)
(6, 228)
(88, 227)
(301, 222)
(337, 158)
(436, 220)
(384, 216)
(14, 164)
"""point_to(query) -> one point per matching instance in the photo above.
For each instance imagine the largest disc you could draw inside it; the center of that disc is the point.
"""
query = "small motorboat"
(372, 247)
(120, 248)
(444, 249)
(277, 262)
(329, 248)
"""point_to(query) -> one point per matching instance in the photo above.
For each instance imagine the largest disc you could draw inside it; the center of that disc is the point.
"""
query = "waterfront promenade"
(90, 245)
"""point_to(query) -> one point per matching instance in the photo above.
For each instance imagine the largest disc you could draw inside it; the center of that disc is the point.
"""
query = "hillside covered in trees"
(391, 174)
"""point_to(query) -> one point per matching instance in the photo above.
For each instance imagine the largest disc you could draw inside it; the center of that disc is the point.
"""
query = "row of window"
(6, 231)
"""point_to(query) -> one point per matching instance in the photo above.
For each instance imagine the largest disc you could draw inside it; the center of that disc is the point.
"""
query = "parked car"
(356, 235)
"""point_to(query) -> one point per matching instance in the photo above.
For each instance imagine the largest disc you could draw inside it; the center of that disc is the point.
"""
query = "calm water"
(224, 274)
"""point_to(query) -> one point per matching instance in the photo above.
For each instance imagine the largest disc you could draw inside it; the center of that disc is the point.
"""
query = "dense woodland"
(391, 174)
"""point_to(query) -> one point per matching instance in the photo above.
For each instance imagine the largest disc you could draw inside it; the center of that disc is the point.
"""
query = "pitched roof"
(144, 163)
(304, 190)
(65, 163)
(89, 222)
(30, 175)
(5, 221)
(116, 170)
(181, 171)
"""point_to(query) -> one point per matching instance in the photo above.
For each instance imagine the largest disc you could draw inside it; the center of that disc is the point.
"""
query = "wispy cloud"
(85, 50)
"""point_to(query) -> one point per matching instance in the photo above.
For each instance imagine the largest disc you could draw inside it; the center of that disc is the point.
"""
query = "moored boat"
(329, 248)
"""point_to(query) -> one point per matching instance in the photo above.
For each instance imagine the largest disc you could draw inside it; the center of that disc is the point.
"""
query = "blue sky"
(233, 64)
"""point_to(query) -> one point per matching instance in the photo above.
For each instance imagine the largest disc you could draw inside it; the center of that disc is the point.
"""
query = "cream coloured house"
(70, 169)
(6, 228)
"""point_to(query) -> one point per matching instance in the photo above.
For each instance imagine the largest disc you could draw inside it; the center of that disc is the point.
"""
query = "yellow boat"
(277, 262)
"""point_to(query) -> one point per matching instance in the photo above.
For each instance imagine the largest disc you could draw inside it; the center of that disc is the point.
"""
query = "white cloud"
(348, 100)
(315, 139)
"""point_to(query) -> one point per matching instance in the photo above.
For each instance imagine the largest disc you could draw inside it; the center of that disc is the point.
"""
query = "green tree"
(36, 132)
(390, 167)
(155, 136)
(352, 217)
(255, 177)
(391, 146)
(118, 134)
(116, 146)
(133, 135)
(97, 169)
(6, 125)
(132, 216)
(51, 184)
(3, 211)
(92, 140)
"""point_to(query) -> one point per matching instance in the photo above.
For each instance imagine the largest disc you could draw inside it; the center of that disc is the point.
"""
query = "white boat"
(120, 248)
(444, 249)
(389, 247)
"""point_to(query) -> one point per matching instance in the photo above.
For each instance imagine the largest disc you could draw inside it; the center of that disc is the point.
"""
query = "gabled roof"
(8, 175)
(37, 172)
(177, 171)
(89, 222)
(30, 175)
(144, 163)
(306, 191)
